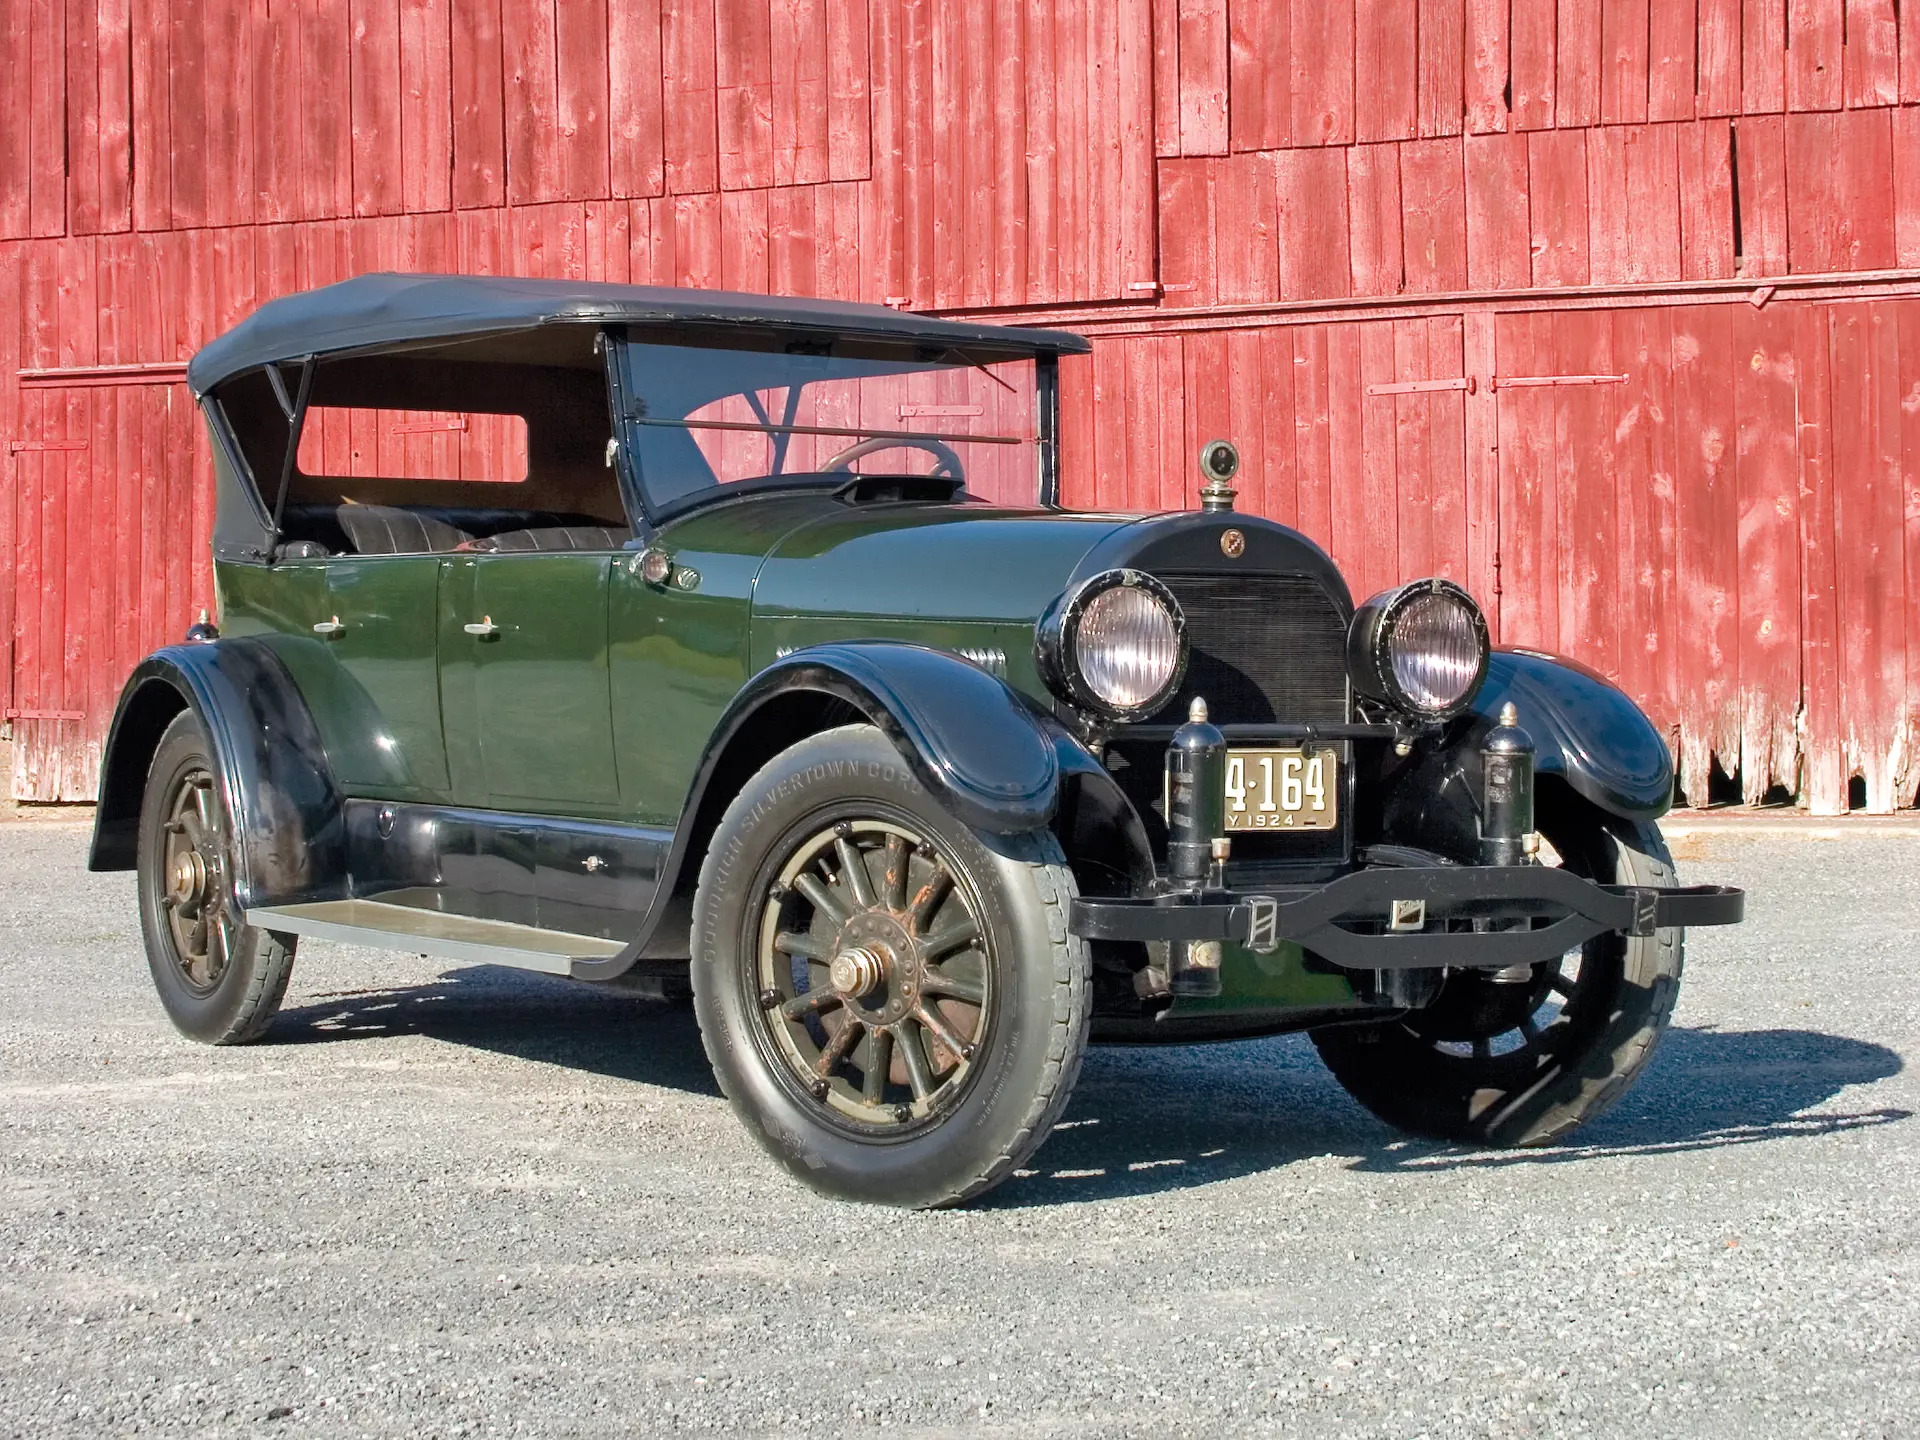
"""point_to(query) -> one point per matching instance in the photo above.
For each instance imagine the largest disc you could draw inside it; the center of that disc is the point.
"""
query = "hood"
(933, 562)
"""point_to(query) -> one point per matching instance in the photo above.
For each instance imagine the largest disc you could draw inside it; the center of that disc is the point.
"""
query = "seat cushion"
(554, 537)
(390, 530)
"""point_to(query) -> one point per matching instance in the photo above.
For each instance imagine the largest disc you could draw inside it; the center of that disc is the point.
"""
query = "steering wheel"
(945, 462)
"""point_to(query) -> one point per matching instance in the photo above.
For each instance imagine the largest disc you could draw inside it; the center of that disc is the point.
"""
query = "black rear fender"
(290, 840)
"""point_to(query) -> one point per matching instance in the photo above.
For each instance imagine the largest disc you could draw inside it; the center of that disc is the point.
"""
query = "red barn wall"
(1610, 310)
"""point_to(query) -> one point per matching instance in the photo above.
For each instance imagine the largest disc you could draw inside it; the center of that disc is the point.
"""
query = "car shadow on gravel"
(529, 1017)
(1147, 1121)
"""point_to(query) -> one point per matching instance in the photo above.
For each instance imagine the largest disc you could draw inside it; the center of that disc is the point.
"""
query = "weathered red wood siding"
(1357, 236)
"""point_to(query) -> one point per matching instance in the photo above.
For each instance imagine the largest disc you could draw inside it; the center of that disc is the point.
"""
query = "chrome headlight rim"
(1057, 651)
(1370, 646)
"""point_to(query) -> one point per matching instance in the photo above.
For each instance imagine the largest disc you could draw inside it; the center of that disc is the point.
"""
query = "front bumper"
(1467, 915)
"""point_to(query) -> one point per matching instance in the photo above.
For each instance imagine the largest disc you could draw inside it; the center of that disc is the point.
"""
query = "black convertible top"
(376, 311)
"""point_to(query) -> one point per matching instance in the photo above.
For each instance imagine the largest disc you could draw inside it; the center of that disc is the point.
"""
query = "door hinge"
(13, 714)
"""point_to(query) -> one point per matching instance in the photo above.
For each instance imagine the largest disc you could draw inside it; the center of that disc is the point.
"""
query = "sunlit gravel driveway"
(472, 1202)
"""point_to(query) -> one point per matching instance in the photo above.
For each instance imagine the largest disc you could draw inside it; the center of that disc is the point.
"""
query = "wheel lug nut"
(819, 1089)
(903, 1113)
(769, 999)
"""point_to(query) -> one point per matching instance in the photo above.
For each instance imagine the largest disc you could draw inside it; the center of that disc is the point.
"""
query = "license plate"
(1282, 789)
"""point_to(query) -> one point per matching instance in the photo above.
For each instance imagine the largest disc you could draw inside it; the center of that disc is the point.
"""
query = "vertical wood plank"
(1625, 62)
(81, 142)
(479, 125)
(1840, 190)
(1321, 78)
(1909, 58)
(743, 75)
(1532, 39)
(1707, 506)
(1443, 39)
(1312, 442)
(1824, 783)
(426, 105)
(1043, 168)
(1246, 213)
(636, 120)
(1906, 191)
(1871, 56)
(1487, 73)
(799, 92)
(1260, 74)
(1527, 560)
(1907, 386)
(1314, 260)
(1721, 58)
(687, 39)
(1374, 205)
(152, 118)
(1760, 150)
(45, 54)
(580, 98)
(1433, 191)
(187, 120)
(1576, 98)
(1815, 39)
(1557, 206)
(1869, 516)
(1481, 440)
(16, 131)
(377, 153)
(1676, 35)
(1763, 58)
(1166, 81)
(1766, 380)
(1585, 437)
(1499, 222)
(849, 132)
(1705, 157)
(1006, 152)
(1386, 50)
(1644, 451)
(1203, 76)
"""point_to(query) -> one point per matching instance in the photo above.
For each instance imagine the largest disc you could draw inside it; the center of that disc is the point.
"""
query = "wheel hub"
(857, 972)
(188, 882)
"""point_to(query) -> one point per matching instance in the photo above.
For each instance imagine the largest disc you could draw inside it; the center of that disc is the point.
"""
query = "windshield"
(701, 420)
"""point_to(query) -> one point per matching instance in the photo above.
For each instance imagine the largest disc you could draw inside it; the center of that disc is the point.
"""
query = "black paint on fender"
(290, 837)
(965, 735)
(1584, 729)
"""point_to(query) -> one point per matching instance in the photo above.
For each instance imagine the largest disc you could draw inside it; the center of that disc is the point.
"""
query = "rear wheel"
(891, 1001)
(220, 981)
(1504, 1058)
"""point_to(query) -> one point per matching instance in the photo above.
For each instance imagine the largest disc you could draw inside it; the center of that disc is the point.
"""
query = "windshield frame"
(657, 510)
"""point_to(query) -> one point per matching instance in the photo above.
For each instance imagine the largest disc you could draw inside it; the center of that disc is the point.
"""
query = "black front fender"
(289, 835)
(967, 735)
(1585, 732)
(1584, 728)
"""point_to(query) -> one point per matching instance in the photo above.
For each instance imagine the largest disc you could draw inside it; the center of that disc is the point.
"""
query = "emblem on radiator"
(1232, 542)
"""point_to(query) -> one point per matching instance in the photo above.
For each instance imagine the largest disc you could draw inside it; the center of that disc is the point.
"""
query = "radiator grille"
(1263, 649)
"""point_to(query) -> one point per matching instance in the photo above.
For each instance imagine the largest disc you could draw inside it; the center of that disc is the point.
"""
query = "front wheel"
(890, 1000)
(220, 981)
(1504, 1059)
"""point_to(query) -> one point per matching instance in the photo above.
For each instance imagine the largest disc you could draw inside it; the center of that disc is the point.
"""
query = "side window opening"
(461, 447)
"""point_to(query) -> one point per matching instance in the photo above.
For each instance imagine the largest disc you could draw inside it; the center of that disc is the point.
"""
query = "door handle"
(329, 628)
(484, 628)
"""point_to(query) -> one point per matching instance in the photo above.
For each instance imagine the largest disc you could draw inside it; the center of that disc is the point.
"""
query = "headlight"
(1421, 647)
(1117, 644)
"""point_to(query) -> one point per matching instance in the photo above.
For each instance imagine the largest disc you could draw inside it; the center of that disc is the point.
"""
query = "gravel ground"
(474, 1202)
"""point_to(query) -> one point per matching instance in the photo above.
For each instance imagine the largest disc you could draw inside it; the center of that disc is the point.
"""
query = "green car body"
(748, 546)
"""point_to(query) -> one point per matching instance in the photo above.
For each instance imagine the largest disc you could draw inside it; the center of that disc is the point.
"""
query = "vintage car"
(678, 640)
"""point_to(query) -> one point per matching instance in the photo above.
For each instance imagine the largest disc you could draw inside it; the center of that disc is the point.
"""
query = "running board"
(432, 932)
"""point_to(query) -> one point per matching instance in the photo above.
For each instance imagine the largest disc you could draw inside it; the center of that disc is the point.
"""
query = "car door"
(529, 717)
(380, 627)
